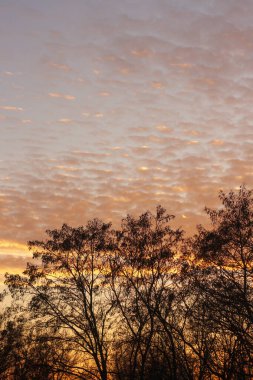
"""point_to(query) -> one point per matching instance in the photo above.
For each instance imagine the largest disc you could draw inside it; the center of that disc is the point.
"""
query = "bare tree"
(222, 279)
(67, 292)
(143, 289)
(137, 303)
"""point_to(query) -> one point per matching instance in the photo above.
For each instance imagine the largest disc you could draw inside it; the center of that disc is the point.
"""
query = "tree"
(137, 303)
(224, 283)
(68, 295)
(27, 352)
(144, 265)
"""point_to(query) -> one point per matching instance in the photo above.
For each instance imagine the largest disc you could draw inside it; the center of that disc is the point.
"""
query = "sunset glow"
(113, 107)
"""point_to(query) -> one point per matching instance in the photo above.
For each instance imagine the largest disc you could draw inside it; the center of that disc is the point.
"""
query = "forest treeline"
(138, 303)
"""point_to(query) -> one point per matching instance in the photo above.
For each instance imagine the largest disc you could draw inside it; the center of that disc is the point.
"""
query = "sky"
(110, 107)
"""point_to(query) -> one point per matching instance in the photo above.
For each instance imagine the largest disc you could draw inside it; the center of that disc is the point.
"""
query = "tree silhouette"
(27, 352)
(67, 293)
(224, 258)
(143, 289)
(136, 303)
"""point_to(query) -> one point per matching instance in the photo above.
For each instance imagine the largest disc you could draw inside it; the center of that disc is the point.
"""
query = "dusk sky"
(109, 107)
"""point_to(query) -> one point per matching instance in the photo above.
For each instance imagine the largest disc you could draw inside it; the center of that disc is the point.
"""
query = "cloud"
(60, 66)
(10, 245)
(104, 93)
(65, 120)
(60, 95)
(11, 108)
(217, 142)
(26, 121)
(161, 111)
(163, 128)
(8, 73)
(13, 264)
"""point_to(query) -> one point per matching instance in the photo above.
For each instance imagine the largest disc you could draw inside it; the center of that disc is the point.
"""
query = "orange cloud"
(60, 66)
(163, 128)
(11, 108)
(104, 93)
(65, 121)
(62, 96)
(12, 245)
(182, 65)
(217, 142)
(141, 53)
(157, 85)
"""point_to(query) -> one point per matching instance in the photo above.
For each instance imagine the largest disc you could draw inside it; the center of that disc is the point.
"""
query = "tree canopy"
(140, 302)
